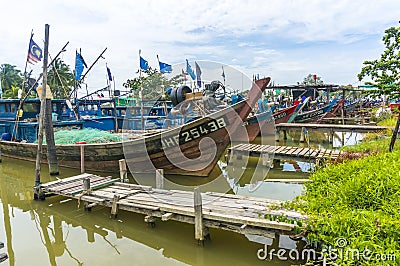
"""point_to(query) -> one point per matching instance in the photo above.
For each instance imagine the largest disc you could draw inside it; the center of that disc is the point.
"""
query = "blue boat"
(27, 126)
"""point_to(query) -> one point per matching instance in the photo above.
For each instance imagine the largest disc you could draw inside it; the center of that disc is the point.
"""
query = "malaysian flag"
(34, 53)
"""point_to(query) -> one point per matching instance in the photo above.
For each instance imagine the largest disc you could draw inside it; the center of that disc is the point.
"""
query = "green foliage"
(60, 79)
(11, 80)
(375, 144)
(385, 71)
(309, 80)
(359, 201)
(153, 83)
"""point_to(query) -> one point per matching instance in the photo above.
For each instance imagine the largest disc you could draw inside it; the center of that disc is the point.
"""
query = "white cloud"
(284, 39)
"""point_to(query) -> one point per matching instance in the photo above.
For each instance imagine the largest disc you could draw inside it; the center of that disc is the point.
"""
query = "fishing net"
(88, 135)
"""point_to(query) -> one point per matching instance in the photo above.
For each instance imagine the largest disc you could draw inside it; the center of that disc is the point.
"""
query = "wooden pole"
(394, 136)
(114, 206)
(160, 178)
(82, 148)
(302, 137)
(198, 215)
(50, 143)
(123, 173)
(38, 194)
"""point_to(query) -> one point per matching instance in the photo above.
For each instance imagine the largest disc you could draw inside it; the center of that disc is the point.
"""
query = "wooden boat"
(314, 114)
(190, 149)
(256, 123)
(253, 125)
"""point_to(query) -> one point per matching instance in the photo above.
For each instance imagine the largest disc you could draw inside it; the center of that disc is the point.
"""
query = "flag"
(223, 72)
(109, 74)
(184, 75)
(189, 70)
(144, 65)
(34, 53)
(164, 67)
(80, 64)
(198, 74)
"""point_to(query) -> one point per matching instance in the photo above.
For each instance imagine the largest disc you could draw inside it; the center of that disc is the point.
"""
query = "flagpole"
(141, 94)
(15, 129)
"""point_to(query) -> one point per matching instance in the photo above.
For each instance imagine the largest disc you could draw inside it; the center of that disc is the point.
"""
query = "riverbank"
(354, 207)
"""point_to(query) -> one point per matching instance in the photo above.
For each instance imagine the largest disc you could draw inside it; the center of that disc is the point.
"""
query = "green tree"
(309, 80)
(153, 83)
(10, 77)
(60, 79)
(385, 71)
(11, 93)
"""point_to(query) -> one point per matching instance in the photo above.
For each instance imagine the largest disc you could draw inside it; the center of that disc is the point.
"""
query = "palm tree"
(10, 76)
(60, 79)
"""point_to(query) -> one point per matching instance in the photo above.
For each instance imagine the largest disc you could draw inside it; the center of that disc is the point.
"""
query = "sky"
(285, 40)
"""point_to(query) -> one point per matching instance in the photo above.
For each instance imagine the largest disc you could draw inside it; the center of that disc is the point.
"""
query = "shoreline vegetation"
(354, 206)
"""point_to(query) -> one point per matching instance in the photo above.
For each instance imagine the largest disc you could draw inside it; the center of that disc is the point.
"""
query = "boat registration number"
(195, 132)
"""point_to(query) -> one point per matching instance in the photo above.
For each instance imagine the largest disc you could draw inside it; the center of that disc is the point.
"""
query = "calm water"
(57, 232)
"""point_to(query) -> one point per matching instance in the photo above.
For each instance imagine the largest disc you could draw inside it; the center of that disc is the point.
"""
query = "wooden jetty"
(359, 119)
(327, 128)
(268, 152)
(241, 214)
(330, 127)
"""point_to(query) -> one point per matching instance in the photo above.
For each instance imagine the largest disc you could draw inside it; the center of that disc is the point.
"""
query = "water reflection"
(57, 232)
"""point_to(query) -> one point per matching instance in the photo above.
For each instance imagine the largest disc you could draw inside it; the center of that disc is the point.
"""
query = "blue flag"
(198, 74)
(109, 74)
(164, 67)
(189, 70)
(34, 53)
(144, 65)
(80, 64)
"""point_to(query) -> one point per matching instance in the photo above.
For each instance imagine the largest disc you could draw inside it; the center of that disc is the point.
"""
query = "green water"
(58, 232)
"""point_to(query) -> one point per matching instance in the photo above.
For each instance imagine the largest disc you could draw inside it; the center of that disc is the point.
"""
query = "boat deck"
(283, 152)
(241, 214)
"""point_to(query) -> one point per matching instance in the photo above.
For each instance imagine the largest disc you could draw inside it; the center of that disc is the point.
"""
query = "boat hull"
(191, 149)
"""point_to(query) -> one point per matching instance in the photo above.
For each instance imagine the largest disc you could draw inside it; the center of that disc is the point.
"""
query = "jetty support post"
(123, 172)
(265, 159)
(82, 147)
(284, 134)
(200, 232)
(276, 135)
(114, 206)
(86, 188)
(302, 137)
(160, 178)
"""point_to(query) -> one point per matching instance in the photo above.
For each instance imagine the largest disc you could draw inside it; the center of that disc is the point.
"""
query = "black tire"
(181, 93)
(174, 100)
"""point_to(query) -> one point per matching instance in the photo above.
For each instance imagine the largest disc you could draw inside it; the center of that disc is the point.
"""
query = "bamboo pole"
(38, 194)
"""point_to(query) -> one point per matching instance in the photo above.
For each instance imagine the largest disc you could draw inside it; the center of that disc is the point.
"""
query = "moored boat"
(191, 149)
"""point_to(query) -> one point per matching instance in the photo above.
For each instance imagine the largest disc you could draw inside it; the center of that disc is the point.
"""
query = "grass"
(376, 143)
(358, 201)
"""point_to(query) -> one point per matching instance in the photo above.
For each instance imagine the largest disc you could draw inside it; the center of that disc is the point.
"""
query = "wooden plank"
(298, 151)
